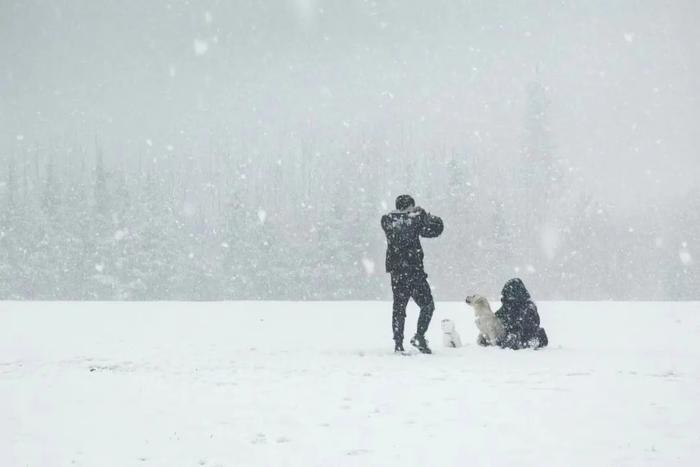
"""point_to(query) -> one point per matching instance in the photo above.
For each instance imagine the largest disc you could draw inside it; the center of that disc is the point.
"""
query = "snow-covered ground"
(316, 384)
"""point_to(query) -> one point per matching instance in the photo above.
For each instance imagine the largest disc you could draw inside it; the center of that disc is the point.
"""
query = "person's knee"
(399, 310)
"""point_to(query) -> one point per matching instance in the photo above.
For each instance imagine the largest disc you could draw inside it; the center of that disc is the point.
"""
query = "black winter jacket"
(403, 229)
(519, 316)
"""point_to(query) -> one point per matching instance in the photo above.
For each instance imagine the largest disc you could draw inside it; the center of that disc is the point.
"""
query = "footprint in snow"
(260, 438)
(283, 439)
(666, 374)
(357, 452)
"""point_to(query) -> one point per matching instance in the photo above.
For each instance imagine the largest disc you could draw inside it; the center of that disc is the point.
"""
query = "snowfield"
(317, 384)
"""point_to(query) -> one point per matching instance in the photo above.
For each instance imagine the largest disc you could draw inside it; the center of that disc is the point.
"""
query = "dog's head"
(474, 300)
(447, 325)
(478, 302)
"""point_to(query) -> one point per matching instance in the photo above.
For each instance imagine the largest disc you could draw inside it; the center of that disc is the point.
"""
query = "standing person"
(404, 261)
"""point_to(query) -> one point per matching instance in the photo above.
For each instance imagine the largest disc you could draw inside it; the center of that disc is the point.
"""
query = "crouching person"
(520, 319)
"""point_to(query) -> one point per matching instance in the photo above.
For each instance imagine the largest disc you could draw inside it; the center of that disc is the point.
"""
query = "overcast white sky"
(622, 76)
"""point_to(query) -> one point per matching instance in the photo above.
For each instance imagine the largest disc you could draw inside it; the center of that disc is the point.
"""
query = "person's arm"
(500, 314)
(432, 225)
(386, 224)
(529, 321)
(533, 314)
(504, 318)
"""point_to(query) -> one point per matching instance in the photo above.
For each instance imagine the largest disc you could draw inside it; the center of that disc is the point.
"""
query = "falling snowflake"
(200, 46)
(189, 209)
(368, 265)
(120, 234)
(550, 240)
(685, 257)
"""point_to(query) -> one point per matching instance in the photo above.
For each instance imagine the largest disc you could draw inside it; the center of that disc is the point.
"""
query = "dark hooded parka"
(520, 318)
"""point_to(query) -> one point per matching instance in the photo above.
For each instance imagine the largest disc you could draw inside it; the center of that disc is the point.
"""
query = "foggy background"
(247, 149)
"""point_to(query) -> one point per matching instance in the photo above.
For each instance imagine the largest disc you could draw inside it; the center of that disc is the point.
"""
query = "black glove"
(420, 211)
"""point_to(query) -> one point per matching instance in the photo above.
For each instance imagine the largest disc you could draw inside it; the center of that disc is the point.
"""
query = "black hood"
(514, 291)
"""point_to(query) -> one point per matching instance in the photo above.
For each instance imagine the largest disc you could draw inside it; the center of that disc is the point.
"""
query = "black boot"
(421, 344)
(398, 347)
(542, 340)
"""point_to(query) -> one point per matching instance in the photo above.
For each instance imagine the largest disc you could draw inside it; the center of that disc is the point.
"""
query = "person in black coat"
(404, 261)
(520, 319)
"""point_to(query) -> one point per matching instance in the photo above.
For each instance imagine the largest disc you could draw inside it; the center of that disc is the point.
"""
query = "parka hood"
(515, 291)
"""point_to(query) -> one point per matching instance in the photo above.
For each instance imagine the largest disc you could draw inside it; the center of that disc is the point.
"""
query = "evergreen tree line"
(304, 225)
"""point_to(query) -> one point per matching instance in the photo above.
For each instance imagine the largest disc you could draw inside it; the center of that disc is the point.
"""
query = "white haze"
(557, 139)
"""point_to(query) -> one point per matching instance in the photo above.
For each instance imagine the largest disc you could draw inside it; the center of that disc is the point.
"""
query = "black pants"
(407, 285)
